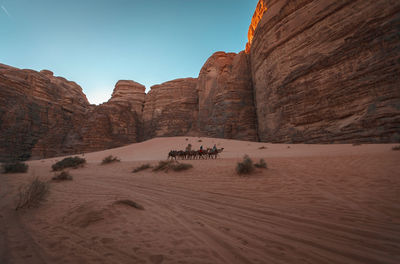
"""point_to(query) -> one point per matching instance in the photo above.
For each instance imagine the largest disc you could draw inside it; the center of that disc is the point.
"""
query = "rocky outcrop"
(45, 116)
(116, 122)
(327, 71)
(258, 15)
(170, 109)
(313, 71)
(129, 92)
(33, 106)
(226, 106)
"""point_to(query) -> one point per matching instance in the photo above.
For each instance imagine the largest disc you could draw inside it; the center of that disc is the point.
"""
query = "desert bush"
(172, 165)
(70, 162)
(199, 140)
(142, 167)
(182, 166)
(396, 148)
(63, 176)
(246, 166)
(261, 164)
(130, 203)
(32, 194)
(109, 159)
(262, 147)
(15, 167)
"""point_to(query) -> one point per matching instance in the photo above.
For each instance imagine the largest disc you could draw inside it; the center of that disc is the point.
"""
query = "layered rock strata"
(314, 71)
(34, 106)
(226, 106)
(327, 71)
(45, 116)
(170, 109)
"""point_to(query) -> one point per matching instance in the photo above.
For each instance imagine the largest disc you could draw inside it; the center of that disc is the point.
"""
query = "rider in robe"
(214, 149)
(201, 149)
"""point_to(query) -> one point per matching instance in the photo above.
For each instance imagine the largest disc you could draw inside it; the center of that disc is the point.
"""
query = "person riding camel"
(214, 149)
(201, 149)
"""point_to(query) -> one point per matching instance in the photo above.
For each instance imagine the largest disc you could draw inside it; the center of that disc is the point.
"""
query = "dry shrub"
(15, 167)
(172, 165)
(130, 203)
(182, 166)
(261, 164)
(246, 166)
(110, 159)
(63, 176)
(70, 162)
(142, 167)
(32, 194)
(262, 147)
(396, 148)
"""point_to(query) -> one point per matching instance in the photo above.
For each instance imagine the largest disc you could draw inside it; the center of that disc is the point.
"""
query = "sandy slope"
(315, 204)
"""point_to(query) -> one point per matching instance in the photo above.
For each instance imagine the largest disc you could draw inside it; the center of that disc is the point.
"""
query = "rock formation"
(116, 122)
(45, 116)
(226, 105)
(34, 106)
(258, 15)
(327, 71)
(313, 71)
(170, 109)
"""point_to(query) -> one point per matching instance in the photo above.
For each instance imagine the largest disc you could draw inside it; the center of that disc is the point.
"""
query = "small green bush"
(261, 164)
(63, 176)
(70, 162)
(15, 167)
(109, 159)
(142, 167)
(32, 194)
(396, 148)
(246, 166)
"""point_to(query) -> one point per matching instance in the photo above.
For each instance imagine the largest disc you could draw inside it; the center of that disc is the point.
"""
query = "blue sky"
(98, 42)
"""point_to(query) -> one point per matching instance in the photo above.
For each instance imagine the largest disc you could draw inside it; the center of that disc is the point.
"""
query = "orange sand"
(315, 204)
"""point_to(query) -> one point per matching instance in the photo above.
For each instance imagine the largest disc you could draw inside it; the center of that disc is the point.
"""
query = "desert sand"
(314, 204)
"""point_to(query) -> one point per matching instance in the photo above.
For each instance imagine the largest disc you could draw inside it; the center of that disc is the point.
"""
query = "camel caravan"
(209, 153)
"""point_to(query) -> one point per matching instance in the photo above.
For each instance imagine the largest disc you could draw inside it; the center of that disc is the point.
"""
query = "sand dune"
(315, 204)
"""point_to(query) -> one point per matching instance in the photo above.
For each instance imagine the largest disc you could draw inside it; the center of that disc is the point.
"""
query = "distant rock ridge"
(313, 71)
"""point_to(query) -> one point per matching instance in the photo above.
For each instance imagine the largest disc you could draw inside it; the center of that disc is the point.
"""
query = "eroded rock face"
(226, 106)
(116, 122)
(131, 92)
(257, 16)
(170, 109)
(33, 106)
(328, 71)
(45, 116)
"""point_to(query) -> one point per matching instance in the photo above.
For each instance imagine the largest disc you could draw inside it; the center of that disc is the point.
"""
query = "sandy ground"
(314, 204)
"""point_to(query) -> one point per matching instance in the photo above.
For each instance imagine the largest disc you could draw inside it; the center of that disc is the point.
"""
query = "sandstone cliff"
(226, 106)
(35, 105)
(45, 116)
(170, 109)
(327, 71)
(314, 71)
(116, 122)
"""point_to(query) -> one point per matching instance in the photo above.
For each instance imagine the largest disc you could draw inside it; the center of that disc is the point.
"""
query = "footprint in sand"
(156, 259)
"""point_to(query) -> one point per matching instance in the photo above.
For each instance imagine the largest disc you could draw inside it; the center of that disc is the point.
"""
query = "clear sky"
(98, 42)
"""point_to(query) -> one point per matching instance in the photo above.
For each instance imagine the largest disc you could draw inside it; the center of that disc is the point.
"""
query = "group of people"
(189, 148)
(195, 154)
